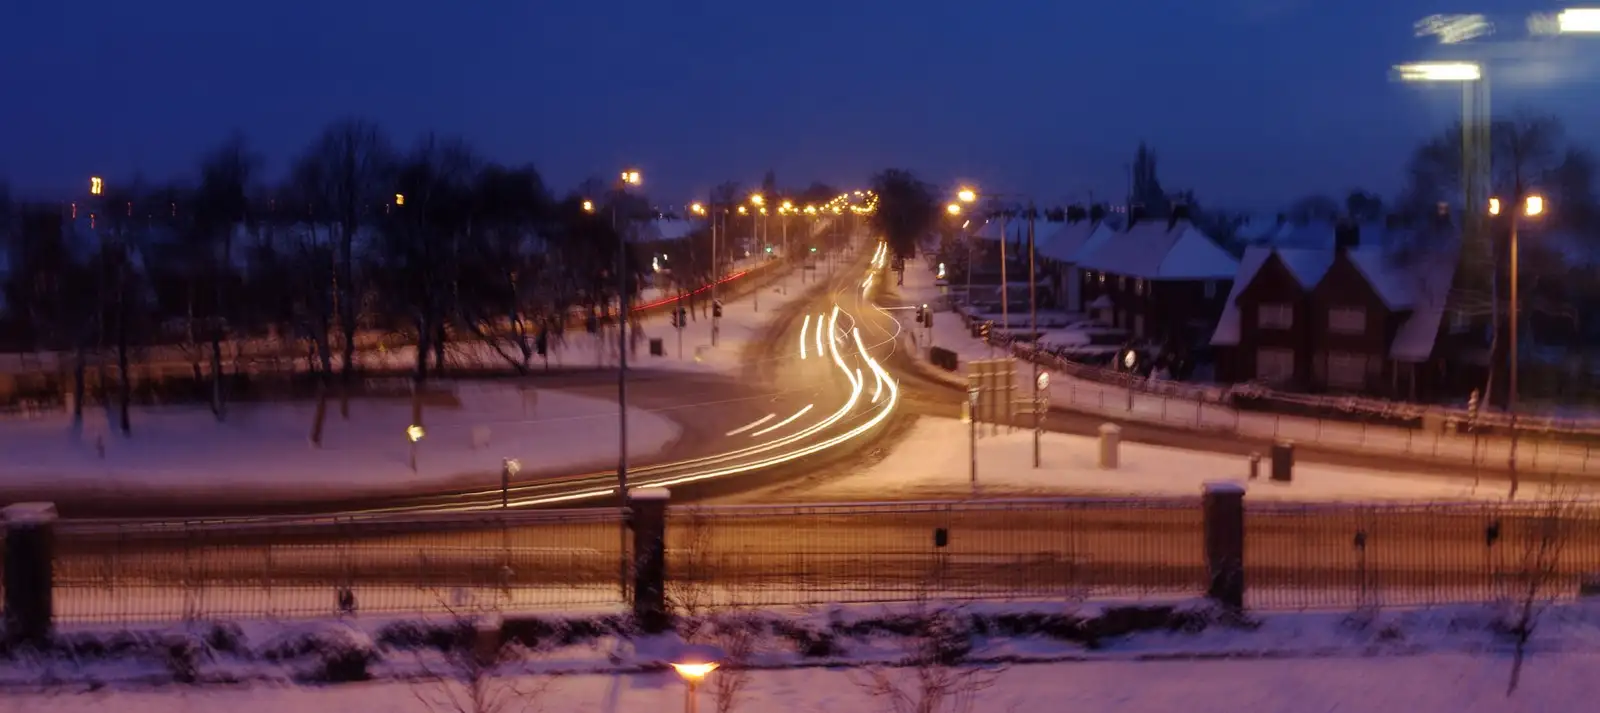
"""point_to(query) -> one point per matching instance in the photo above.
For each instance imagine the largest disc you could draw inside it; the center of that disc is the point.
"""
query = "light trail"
(819, 336)
(784, 422)
(803, 326)
(751, 425)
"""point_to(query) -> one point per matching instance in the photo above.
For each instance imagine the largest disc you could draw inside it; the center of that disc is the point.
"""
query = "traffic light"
(927, 317)
(680, 319)
(922, 314)
(542, 342)
(813, 248)
(675, 321)
(769, 249)
(716, 309)
(983, 331)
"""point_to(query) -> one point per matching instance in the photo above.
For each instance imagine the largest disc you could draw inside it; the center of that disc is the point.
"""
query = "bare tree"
(351, 161)
(1539, 576)
(933, 676)
(476, 669)
(221, 207)
(504, 263)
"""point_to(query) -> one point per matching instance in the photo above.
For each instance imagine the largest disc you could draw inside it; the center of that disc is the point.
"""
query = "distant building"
(1160, 279)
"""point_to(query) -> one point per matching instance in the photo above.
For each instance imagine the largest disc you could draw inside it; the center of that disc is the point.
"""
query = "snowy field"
(262, 450)
(1445, 660)
(934, 461)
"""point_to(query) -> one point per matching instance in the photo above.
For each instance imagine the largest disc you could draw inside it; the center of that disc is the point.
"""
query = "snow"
(1157, 250)
(1443, 660)
(1227, 333)
(933, 461)
(261, 450)
(28, 514)
(1073, 241)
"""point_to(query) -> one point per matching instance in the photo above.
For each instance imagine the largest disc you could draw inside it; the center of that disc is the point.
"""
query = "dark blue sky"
(1248, 102)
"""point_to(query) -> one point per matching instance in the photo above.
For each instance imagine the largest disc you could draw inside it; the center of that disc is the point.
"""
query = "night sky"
(1248, 102)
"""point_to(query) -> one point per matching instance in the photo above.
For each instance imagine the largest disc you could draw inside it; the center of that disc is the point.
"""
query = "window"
(1275, 315)
(1102, 278)
(1275, 365)
(1138, 285)
(1347, 320)
(1347, 370)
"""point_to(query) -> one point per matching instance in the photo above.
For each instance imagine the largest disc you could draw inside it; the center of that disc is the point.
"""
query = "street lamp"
(1578, 21)
(967, 195)
(1532, 206)
(96, 186)
(953, 209)
(628, 177)
(697, 209)
(588, 206)
(693, 665)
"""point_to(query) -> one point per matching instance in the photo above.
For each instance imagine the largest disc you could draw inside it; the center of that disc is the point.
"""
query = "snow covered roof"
(1427, 283)
(1016, 230)
(1071, 242)
(1154, 251)
(1307, 267)
(1227, 332)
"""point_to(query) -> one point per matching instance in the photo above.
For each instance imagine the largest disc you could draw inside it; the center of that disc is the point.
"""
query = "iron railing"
(1336, 555)
(125, 571)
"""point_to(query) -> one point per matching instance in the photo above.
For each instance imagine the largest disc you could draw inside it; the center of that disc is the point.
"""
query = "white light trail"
(751, 425)
(803, 326)
(784, 422)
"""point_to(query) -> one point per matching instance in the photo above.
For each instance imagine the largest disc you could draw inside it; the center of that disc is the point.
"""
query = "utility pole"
(1033, 326)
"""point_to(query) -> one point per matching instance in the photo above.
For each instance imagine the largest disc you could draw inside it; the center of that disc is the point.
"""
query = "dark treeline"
(423, 245)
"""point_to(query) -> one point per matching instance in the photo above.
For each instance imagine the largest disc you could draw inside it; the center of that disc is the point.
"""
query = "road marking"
(784, 422)
(751, 425)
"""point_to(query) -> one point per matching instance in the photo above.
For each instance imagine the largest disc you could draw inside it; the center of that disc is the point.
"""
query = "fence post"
(649, 507)
(1223, 510)
(29, 572)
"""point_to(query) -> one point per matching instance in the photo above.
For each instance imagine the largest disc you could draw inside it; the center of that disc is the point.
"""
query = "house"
(1083, 232)
(1343, 319)
(1159, 279)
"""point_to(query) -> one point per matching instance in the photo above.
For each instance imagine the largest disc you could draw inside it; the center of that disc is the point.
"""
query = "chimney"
(1346, 236)
(1076, 214)
(1097, 212)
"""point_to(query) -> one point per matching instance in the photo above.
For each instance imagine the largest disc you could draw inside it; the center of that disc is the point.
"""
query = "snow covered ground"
(934, 461)
(1183, 410)
(262, 450)
(1446, 660)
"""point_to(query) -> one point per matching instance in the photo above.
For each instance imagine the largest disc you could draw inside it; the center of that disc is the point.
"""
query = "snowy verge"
(951, 633)
(263, 451)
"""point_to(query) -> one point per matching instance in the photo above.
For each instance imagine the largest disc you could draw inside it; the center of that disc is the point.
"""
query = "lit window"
(1275, 315)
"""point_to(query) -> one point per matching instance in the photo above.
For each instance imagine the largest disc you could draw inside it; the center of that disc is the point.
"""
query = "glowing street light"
(588, 206)
(758, 200)
(953, 209)
(399, 199)
(697, 209)
(96, 186)
(966, 195)
(1532, 206)
(693, 665)
(1439, 72)
(1578, 21)
(631, 177)
(811, 210)
(414, 434)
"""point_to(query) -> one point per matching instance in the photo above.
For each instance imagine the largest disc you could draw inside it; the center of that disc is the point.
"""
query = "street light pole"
(629, 178)
(1033, 326)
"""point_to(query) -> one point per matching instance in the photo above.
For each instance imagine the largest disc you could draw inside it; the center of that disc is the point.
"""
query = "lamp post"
(1530, 206)
(693, 665)
(628, 178)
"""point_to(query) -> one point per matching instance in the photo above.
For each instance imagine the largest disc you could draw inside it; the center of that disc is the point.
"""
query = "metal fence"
(1295, 556)
(128, 571)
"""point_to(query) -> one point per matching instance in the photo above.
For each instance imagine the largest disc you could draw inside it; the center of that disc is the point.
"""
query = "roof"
(1073, 241)
(1158, 250)
(1227, 332)
(1427, 282)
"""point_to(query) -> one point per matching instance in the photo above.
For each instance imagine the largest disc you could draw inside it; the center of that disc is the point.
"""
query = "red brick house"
(1160, 279)
(1350, 319)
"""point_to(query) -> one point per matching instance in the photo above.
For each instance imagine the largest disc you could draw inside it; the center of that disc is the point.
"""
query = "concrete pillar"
(649, 507)
(1283, 461)
(1110, 442)
(1222, 505)
(29, 572)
